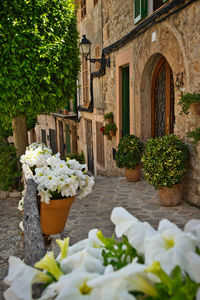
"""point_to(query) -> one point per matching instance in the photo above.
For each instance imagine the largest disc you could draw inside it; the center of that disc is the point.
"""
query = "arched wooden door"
(162, 104)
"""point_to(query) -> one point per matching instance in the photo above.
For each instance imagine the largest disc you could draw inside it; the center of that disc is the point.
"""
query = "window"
(95, 2)
(83, 8)
(97, 55)
(85, 85)
(146, 7)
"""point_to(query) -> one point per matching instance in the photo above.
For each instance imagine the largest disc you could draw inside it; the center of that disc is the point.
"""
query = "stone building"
(154, 52)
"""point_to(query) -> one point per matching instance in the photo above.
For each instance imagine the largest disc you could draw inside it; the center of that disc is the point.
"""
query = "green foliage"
(9, 174)
(129, 152)
(39, 56)
(164, 161)
(108, 116)
(110, 126)
(118, 254)
(175, 287)
(79, 157)
(195, 135)
(188, 99)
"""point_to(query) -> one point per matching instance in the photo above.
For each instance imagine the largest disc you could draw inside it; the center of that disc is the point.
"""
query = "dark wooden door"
(61, 139)
(125, 101)
(162, 100)
(89, 141)
(53, 145)
(68, 139)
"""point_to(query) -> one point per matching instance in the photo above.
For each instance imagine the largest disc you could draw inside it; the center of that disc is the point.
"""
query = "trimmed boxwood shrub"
(164, 161)
(9, 174)
(129, 152)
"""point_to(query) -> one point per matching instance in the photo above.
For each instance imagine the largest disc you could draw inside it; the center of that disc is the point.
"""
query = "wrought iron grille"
(172, 115)
(159, 102)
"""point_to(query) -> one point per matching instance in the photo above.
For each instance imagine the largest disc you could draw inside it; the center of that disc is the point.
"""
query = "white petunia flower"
(72, 286)
(193, 268)
(169, 244)
(20, 279)
(127, 224)
(193, 227)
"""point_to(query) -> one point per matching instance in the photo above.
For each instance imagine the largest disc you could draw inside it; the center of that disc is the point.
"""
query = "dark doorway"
(125, 101)
(89, 141)
(162, 99)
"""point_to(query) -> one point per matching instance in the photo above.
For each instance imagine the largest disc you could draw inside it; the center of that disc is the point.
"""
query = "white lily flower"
(169, 244)
(71, 287)
(127, 224)
(193, 268)
(20, 279)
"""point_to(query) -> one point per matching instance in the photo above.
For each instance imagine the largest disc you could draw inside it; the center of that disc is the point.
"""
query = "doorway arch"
(162, 99)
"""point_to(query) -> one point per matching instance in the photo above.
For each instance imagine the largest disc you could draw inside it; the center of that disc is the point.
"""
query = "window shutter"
(144, 7)
(137, 11)
(141, 8)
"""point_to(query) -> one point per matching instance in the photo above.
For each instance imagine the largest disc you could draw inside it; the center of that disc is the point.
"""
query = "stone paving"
(139, 198)
(10, 237)
(94, 211)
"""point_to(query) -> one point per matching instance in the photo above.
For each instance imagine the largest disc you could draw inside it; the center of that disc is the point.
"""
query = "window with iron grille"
(85, 81)
(95, 2)
(100, 144)
(83, 8)
(97, 55)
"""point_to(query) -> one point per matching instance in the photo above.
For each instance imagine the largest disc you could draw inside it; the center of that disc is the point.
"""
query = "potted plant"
(109, 117)
(107, 132)
(111, 128)
(190, 102)
(128, 156)
(164, 165)
(58, 182)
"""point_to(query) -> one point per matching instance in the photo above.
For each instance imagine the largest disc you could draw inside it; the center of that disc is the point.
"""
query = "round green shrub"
(164, 161)
(129, 152)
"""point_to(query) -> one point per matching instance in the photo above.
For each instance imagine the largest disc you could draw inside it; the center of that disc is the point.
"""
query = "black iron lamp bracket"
(105, 62)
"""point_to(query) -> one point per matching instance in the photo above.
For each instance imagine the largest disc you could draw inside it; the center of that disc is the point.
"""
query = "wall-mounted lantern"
(179, 80)
(85, 47)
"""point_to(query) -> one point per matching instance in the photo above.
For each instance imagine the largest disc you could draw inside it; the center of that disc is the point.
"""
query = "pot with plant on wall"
(111, 128)
(164, 166)
(109, 117)
(190, 102)
(128, 156)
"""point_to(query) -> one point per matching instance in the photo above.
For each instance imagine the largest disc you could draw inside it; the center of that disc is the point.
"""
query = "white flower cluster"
(36, 155)
(65, 178)
(82, 275)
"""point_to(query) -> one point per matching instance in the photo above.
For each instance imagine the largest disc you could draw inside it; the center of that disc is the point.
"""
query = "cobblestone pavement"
(93, 212)
(10, 238)
(139, 198)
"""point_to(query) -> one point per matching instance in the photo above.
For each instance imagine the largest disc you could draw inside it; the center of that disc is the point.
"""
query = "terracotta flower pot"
(53, 216)
(112, 132)
(108, 137)
(171, 196)
(195, 108)
(133, 174)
